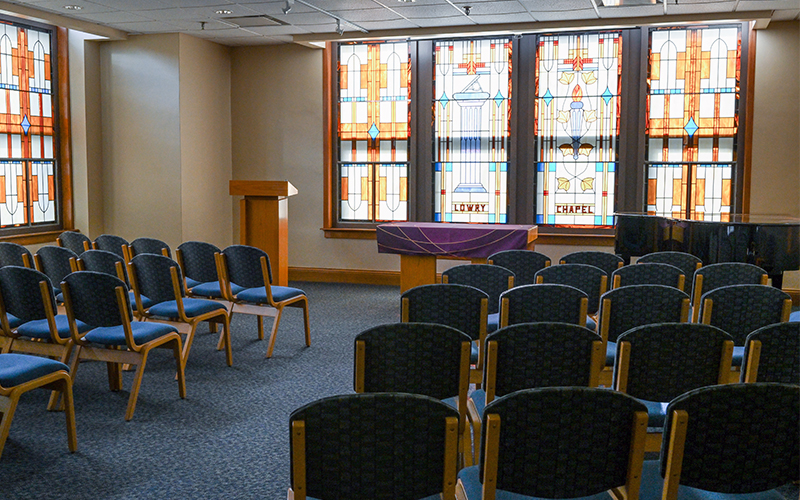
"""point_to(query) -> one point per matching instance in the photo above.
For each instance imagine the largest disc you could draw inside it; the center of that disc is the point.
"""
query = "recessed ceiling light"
(224, 11)
(73, 7)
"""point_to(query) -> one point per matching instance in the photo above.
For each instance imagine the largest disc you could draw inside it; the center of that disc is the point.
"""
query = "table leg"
(417, 270)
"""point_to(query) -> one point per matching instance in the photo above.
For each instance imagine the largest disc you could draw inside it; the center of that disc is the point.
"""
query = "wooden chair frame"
(697, 292)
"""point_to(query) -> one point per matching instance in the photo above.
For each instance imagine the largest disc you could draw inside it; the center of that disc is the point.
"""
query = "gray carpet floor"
(227, 440)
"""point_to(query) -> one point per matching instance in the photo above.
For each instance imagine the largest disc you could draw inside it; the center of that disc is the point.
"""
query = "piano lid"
(731, 218)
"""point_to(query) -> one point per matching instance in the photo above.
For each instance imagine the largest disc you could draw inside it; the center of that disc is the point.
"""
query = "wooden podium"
(264, 216)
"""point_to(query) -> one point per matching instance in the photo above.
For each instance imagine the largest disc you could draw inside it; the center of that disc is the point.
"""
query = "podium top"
(262, 188)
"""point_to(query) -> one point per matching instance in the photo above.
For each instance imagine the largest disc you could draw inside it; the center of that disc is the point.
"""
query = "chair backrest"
(742, 309)
(111, 243)
(102, 261)
(55, 262)
(243, 265)
(523, 263)
(151, 275)
(374, 446)
(608, 262)
(197, 260)
(13, 254)
(564, 442)
(141, 246)
(75, 241)
(91, 297)
(648, 274)
(531, 355)
(713, 276)
(21, 295)
(493, 280)
(589, 279)
(687, 262)
(459, 306)
(772, 354)
(636, 305)
(739, 438)
(662, 361)
(544, 302)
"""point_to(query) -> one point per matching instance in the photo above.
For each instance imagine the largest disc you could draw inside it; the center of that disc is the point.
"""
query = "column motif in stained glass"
(692, 120)
(471, 109)
(374, 131)
(576, 124)
(27, 150)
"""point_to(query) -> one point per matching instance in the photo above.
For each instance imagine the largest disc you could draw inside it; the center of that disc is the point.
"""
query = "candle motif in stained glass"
(472, 92)
(692, 121)
(576, 123)
(374, 119)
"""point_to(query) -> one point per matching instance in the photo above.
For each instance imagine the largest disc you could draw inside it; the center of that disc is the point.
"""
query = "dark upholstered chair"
(247, 283)
(657, 363)
(493, 280)
(113, 264)
(75, 241)
(648, 274)
(608, 262)
(686, 262)
(713, 276)
(591, 280)
(558, 442)
(417, 358)
(159, 279)
(544, 302)
(735, 441)
(459, 306)
(199, 265)
(111, 243)
(13, 254)
(101, 301)
(55, 262)
(147, 245)
(523, 263)
(772, 354)
(20, 373)
(381, 446)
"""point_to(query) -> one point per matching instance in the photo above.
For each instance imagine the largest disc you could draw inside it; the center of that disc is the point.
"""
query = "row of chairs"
(562, 442)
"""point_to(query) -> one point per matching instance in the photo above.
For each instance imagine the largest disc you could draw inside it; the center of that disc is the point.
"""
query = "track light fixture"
(287, 6)
(339, 28)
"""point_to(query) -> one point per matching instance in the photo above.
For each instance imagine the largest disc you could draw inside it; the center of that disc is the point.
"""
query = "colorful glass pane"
(26, 128)
(576, 127)
(472, 92)
(374, 133)
(692, 120)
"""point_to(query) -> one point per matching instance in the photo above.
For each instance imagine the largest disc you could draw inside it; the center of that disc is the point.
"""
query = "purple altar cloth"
(453, 240)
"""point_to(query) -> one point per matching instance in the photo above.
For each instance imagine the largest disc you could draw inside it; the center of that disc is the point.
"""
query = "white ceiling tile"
(132, 5)
(397, 24)
(278, 30)
(367, 15)
(519, 17)
(786, 15)
(767, 4)
(413, 11)
(565, 16)
(632, 11)
(116, 18)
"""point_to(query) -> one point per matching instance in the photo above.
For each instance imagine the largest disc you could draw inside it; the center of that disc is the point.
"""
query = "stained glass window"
(27, 150)
(692, 121)
(472, 92)
(374, 132)
(576, 127)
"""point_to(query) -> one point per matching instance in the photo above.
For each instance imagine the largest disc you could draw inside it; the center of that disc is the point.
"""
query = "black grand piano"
(771, 242)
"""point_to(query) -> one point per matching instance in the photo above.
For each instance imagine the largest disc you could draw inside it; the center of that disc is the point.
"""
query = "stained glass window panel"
(692, 121)
(472, 92)
(576, 127)
(374, 133)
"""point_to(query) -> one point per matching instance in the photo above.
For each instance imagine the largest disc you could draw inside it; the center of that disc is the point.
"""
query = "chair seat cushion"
(192, 308)
(143, 332)
(16, 369)
(60, 298)
(611, 353)
(211, 289)
(493, 322)
(738, 355)
(653, 484)
(259, 295)
(39, 329)
(795, 317)
(591, 324)
(145, 301)
(478, 398)
(474, 353)
(656, 412)
(13, 321)
(470, 479)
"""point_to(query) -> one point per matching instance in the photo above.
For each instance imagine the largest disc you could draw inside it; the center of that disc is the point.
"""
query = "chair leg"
(274, 331)
(176, 351)
(226, 333)
(306, 322)
(55, 395)
(7, 416)
(114, 376)
(260, 320)
(137, 383)
(187, 344)
(69, 411)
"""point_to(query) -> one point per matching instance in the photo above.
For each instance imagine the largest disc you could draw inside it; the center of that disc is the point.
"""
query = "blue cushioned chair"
(648, 274)
(75, 241)
(112, 243)
(608, 262)
(147, 245)
(55, 262)
(377, 446)
(544, 302)
(686, 262)
(459, 306)
(727, 442)
(160, 279)
(417, 358)
(558, 442)
(523, 263)
(591, 280)
(492, 279)
(199, 265)
(657, 363)
(713, 276)
(20, 373)
(113, 264)
(247, 269)
(13, 254)
(101, 301)
(772, 354)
